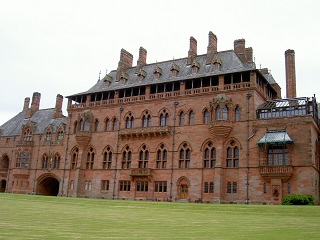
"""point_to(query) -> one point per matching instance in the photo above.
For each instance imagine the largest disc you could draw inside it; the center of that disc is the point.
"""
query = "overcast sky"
(59, 47)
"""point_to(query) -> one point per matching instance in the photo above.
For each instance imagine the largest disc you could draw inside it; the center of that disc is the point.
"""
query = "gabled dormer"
(124, 78)
(141, 75)
(157, 73)
(195, 66)
(216, 64)
(175, 69)
(107, 80)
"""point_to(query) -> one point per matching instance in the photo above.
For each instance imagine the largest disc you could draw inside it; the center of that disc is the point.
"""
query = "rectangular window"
(234, 187)
(206, 187)
(229, 187)
(104, 185)
(87, 185)
(264, 188)
(211, 190)
(125, 186)
(229, 163)
(160, 186)
(142, 186)
(71, 184)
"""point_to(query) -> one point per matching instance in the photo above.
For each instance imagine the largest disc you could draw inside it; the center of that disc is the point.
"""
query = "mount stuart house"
(209, 127)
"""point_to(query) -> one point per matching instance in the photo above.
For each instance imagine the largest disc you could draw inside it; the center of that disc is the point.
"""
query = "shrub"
(298, 199)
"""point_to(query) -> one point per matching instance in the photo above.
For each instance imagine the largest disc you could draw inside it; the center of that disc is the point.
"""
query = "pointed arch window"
(45, 161)
(146, 120)
(74, 159)
(56, 163)
(206, 117)
(60, 134)
(225, 113)
(232, 155)
(107, 159)
(48, 135)
(129, 121)
(164, 118)
(209, 156)
(191, 117)
(115, 122)
(237, 114)
(107, 128)
(184, 156)
(143, 157)
(162, 156)
(86, 127)
(96, 125)
(90, 159)
(181, 119)
(27, 135)
(126, 158)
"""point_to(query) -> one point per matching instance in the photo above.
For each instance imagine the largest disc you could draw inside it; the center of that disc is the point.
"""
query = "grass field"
(38, 217)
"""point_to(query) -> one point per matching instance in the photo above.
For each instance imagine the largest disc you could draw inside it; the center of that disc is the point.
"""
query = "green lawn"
(38, 217)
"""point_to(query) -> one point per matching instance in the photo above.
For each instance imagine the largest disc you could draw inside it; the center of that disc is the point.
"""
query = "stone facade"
(208, 128)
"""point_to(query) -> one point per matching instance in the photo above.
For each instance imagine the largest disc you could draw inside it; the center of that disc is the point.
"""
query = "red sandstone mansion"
(209, 127)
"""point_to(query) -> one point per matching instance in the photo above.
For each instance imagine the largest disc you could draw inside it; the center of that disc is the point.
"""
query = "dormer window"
(124, 78)
(157, 73)
(107, 80)
(195, 67)
(174, 70)
(48, 135)
(141, 75)
(216, 64)
(27, 135)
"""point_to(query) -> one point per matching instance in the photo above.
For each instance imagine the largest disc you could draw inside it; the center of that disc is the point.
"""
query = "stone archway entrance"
(3, 184)
(183, 188)
(47, 185)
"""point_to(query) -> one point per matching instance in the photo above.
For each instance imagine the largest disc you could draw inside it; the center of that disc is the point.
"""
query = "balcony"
(276, 172)
(220, 128)
(83, 138)
(145, 132)
(141, 172)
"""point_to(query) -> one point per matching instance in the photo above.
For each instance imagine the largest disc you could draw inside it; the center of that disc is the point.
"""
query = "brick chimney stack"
(290, 73)
(240, 48)
(35, 104)
(26, 104)
(212, 47)
(58, 107)
(192, 53)
(142, 61)
(125, 62)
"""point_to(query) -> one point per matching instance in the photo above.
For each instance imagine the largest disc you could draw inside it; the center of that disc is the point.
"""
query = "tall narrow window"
(56, 163)
(107, 159)
(206, 117)
(146, 120)
(114, 123)
(225, 113)
(107, 128)
(234, 187)
(60, 134)
(232, 155)
(162, 157)
(90, 159)
(218, 113)
(96, 125)
(237, 114)
(25, 159)
(129, 121)
(289, 188)
(164, 118)
(75, 127)
(74, 158)
(184, 156)
(181, 119)
(209, 156)
(191, 117)
(143, 157)
(264, 188)
(228, 187)
(45, 161)
(86, 127)
(126, 158)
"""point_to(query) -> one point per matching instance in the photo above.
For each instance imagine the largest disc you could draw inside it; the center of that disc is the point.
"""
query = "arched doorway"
(3, 184)
(48, 185)
(183, 188)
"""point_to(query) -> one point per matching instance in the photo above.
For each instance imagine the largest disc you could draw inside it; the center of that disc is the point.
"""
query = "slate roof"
(230, 63)
(42, 118)
(275, 137)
